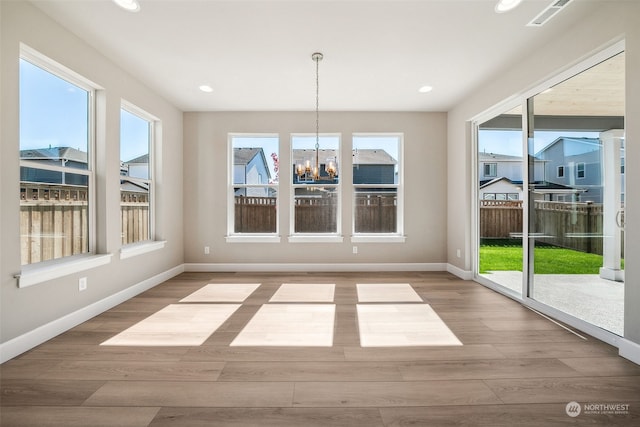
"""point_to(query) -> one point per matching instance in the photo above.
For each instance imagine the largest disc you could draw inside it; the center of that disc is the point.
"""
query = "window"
(136, 175)
(560, 173)
(254, 190)
(580, 170)
(376, 182)
(491, 169)
(56, 168)
(315, 198)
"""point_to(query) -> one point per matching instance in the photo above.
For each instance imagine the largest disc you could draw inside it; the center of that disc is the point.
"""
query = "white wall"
(24, 310)
(612, 21)
(206, 172)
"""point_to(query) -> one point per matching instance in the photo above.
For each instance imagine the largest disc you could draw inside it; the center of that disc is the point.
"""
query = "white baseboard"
(629, 350)
(31, 339)
(298, 267)
(456, 271)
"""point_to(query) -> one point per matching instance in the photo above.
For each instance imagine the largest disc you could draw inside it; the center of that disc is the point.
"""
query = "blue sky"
(509, 142)
(54, 113)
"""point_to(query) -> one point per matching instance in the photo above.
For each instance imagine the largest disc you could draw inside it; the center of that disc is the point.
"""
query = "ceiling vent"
(548, 13)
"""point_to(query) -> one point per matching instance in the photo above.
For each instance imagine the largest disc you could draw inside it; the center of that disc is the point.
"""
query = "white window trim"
(139, 248)
(584, 170)
(154, 122)
(42, 61)
(315, 237)
(232, 236)
(34, 274)
(399, 234)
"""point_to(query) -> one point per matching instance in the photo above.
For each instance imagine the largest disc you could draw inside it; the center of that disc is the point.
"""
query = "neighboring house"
(374, 166)
(501, 189)
(575, 163)
(56, 156)
(250, 167)
(136, 168)
(492, 166)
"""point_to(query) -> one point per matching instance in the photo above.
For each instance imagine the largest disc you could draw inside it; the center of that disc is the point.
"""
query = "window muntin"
(377, 184)
(316, 202)
(136, 175)
(56, 168)
(254, 184)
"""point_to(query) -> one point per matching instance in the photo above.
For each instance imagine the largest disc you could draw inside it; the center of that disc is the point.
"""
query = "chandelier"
(307, 170)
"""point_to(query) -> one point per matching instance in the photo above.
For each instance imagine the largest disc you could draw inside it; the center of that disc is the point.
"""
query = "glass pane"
(316, 210)
(255, 159)
(306, 159)
(576, 231)
(500, 173)
(375, 159)
(135, 143)
(54, 119)
(376, 210)
(135, 138)
(53, 215)
(255, 210)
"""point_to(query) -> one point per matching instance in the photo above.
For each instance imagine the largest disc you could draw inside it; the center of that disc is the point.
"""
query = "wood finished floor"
(515, 368)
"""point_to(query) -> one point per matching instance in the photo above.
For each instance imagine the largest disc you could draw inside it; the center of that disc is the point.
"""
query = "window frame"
(560, 171)
(58, 70)
(232, 236)
(135, 248)
(298, 237)
(43, 271)
(398, 235)
(581, 170)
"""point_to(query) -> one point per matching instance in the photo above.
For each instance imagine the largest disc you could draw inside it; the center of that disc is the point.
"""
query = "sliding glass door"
(500, 200)
(550, 197)
(576, 195)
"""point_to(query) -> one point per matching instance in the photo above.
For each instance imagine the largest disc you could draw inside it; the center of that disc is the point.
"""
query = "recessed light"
(506, 5)
(130, 5)
(206, 88)
(425, 89)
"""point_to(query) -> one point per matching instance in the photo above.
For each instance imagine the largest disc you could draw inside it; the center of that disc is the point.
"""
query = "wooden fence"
(375, 213)
(255, 214)
(569, 225)
(54, 220)
(315, 215)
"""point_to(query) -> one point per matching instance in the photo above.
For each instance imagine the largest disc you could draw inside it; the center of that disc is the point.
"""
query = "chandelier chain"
(317, 59)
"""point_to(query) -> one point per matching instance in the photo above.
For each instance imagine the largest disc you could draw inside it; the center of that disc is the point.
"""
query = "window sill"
(253, 239)
(135, 249)
(315, 238)
(369, 238)
(35, 274)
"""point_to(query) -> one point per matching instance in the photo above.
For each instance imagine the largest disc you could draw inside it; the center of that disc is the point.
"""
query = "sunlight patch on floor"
(284, 325)
(304, 292)
(387, 292)
(176, 325)
(401, 325)
(222, 292)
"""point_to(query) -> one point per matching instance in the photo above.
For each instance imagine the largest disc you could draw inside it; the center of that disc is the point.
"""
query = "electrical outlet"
(458, 254)
(207, 250)
(82, 284)
(355, 249)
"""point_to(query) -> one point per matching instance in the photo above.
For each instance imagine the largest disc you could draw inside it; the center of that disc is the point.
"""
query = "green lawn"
(548, 260)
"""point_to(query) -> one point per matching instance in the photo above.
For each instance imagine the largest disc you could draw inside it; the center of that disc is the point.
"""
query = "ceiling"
(256, 55)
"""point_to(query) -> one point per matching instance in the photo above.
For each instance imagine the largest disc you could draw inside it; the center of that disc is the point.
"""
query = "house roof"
(144, 159)
(133, 187)
(242, 156)
(54, 153)
(584, 140)
(485, 157)
(371, 156)
(496, 180)
(303, 154)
